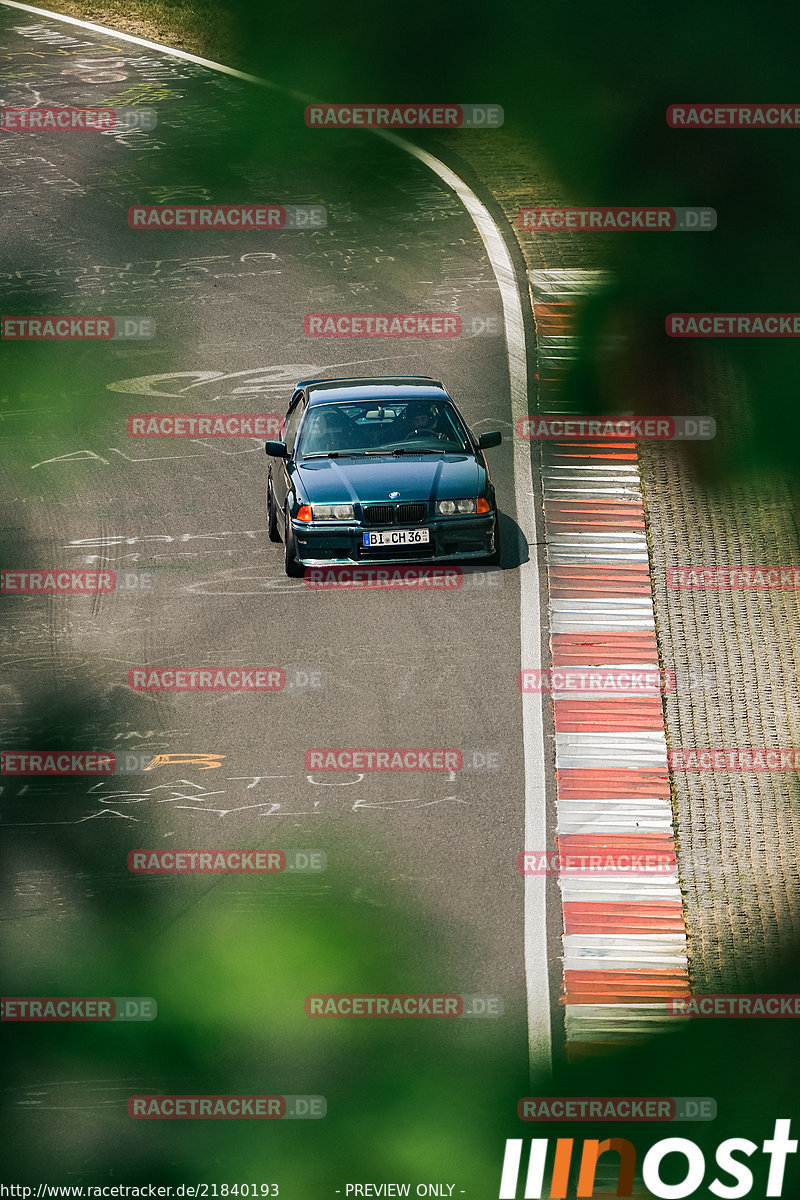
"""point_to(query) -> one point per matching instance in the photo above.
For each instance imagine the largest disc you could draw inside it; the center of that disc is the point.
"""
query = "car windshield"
(369, 427)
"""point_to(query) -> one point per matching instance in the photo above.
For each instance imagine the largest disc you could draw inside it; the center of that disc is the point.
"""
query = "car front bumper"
(453, 539)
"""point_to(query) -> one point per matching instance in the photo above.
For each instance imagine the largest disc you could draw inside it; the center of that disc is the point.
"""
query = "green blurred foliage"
(585, 88)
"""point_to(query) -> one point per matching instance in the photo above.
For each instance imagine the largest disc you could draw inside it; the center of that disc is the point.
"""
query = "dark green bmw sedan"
(379, 470)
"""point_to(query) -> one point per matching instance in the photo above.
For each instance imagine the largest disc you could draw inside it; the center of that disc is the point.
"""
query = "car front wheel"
(272, 516)
(292, 567)
(494, 558)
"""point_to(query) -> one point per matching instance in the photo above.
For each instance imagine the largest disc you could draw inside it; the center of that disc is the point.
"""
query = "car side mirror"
(487, 440)
(276, 449)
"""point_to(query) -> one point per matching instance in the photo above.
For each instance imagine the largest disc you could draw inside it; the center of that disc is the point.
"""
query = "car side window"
(293, 418)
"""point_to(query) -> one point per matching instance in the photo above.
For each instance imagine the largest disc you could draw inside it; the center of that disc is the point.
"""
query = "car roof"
(373, 387)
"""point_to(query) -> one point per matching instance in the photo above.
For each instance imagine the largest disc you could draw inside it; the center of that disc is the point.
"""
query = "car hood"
(369, 480)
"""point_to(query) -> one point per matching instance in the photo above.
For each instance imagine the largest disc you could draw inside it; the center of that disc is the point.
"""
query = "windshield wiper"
(405, 450)
(423, 450)
(334, 454)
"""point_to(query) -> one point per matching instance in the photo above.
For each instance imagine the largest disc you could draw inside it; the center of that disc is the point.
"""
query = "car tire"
(291, 566)
(272, 516)
(494, 558)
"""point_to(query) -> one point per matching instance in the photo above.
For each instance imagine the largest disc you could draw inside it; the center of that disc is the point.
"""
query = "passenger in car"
(329, 431)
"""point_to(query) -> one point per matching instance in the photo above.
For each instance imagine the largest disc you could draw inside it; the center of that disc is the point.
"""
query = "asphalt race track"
(426, 859)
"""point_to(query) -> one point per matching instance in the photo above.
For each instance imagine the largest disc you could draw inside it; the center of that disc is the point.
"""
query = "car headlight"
(332, 512)
(449, 508)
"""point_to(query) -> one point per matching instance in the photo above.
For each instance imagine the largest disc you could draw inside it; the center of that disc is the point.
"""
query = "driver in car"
(425, 422)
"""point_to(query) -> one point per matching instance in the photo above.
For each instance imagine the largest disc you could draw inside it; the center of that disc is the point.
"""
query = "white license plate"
(397, 537)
